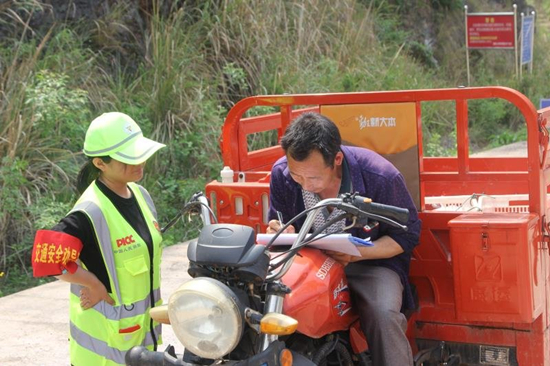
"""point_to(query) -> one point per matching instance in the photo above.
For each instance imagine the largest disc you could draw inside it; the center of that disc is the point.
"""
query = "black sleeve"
(78, 225)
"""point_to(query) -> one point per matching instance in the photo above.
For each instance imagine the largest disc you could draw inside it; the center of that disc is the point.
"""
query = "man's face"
(312, 174)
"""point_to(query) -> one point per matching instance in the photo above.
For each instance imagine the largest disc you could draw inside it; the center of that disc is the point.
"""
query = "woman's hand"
(90, 296)
(275, 225)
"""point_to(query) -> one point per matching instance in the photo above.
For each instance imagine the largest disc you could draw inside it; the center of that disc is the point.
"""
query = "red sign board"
(490, 31)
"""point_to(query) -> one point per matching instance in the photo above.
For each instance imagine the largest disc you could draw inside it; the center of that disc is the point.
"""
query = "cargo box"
(496, 267)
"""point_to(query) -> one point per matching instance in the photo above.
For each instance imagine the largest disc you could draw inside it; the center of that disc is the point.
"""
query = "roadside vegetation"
(177, 67)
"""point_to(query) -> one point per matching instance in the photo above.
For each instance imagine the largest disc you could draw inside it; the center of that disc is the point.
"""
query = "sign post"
(490, 31)
(466, 37)
(515, 39)
(527, 40)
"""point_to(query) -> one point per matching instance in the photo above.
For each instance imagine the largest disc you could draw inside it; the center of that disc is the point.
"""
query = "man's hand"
(342, 258)
(275, 225)
(90, 296)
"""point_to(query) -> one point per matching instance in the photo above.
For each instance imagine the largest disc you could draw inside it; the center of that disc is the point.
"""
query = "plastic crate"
(512, 203)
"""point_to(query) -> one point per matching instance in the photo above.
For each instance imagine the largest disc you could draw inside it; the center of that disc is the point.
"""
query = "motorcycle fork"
(275, 295)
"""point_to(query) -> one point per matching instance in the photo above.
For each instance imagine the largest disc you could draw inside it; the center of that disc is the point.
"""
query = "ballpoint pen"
(280, 217)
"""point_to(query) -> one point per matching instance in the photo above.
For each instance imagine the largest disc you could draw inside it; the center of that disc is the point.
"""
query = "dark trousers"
(377, 294)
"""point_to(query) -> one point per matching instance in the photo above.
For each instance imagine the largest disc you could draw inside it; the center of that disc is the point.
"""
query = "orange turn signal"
(285, 358)
(278, 324)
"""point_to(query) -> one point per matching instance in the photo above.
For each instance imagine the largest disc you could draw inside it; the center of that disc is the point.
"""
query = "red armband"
(54, 253)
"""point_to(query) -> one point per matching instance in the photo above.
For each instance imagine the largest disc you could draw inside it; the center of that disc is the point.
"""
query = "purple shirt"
(372, 176)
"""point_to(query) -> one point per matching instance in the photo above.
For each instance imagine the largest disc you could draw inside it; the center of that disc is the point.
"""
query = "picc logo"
(125, 241)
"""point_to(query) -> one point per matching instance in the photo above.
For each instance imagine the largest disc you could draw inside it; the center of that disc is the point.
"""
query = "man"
(316, 167)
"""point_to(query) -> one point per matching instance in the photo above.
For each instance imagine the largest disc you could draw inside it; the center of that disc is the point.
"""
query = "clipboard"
(343, 243)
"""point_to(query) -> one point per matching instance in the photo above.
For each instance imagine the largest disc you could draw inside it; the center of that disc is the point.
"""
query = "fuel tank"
(320, 299)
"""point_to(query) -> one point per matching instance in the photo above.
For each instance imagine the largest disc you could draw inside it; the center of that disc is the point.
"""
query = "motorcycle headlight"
(206, 317)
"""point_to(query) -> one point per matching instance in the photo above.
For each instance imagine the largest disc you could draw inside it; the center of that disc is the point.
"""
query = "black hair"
(88, 172)
(312, 131)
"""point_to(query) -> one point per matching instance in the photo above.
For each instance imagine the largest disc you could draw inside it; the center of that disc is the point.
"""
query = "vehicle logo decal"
(325, 268)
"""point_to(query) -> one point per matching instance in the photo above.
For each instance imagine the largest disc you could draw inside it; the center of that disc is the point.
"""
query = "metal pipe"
(273, 304)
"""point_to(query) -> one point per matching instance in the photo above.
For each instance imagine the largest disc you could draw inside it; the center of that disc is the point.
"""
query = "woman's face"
(122, 173)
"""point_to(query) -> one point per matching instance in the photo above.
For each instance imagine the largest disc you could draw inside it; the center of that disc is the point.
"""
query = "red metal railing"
(438, 176)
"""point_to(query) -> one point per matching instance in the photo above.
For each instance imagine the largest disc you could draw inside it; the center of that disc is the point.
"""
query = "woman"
(108, 247)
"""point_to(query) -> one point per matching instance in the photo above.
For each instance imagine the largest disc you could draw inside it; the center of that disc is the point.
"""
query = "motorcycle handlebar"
(398, 214)
(197, 200)
(350, 203)
(139, 355)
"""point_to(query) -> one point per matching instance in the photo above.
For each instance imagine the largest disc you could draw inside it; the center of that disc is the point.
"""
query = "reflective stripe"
(102, 230)
(110, 148)
(121, 311)
(135, 157)
(148, 341)
(101, 348)
(149, 201)
(97, 346)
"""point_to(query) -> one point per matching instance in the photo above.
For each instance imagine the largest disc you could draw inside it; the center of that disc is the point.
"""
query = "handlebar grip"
(139, 355)
(398, 214)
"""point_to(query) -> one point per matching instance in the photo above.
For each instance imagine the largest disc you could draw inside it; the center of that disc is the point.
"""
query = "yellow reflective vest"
(103, 334)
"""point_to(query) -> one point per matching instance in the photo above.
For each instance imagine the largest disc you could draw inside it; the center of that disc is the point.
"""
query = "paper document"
(344, 243)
